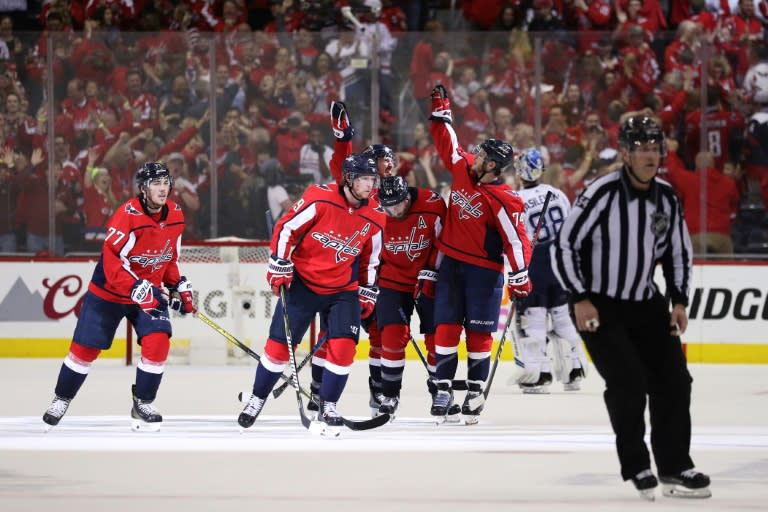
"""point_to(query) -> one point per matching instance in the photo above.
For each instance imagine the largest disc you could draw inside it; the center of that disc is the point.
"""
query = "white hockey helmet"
(529, 165)
(757, 86)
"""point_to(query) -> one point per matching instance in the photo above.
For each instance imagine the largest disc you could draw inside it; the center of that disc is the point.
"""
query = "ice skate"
(389, 405)
(55, 412)
(331, 418)
(376, 396)
(312, 406)
(687, 484)
(474, 390)
(645, 483)
(443, 408)
(574, 380)
(541, 387)
(251, 411)
(145, 416)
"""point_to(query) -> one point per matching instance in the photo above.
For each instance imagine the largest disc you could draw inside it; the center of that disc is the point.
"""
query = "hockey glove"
(367, 296)
(342, 128)
(441, 105)
(183, 302)
(518, 284)
(279, 273)
(149, 298)
(426, 284)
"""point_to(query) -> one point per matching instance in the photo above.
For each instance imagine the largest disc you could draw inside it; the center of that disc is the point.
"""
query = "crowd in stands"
(234, 94)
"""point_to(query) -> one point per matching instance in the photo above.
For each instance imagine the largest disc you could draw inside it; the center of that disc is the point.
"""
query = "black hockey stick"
(478, 401)
(457, 384)
(350, 424)
(282, 387)
(305, 420)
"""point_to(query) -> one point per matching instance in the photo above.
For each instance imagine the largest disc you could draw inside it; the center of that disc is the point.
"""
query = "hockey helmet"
(497, 151)
(151, 171)
(381, 151)
(393, 190)
(356, 165)
(639, 130)
(758, 83)
(529, 165)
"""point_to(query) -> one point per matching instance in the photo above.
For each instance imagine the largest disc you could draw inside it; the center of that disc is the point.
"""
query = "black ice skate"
(574, 380)
(144, 414)
(389, 405)
(442, 403)
(687, 484)
(251, 411)
(474, 390)
(645, 483)
(55, 412)
(374, 402)
(541, 387)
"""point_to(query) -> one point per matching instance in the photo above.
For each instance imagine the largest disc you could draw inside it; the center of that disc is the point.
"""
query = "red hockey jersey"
(483, 221)
(409, 243)
(335, 247)
(138, 246)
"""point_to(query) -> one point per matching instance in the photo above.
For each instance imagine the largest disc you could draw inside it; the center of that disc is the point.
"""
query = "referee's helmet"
(639, 130)
(529, 165)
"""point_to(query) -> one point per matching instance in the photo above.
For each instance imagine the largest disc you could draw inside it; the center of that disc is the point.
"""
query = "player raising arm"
(485, 220)
(139, 256)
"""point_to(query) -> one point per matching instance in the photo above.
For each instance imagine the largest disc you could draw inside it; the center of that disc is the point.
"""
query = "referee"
(605, 255)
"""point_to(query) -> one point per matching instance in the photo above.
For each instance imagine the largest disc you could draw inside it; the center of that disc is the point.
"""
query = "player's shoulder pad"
(428, 200)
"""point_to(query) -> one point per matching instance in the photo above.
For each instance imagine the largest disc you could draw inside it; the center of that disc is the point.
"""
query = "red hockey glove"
(426, 284)
(441, 105)
(367, 296)
(518, 283)
(149, 298)
(279, 273)
(342, 128)
(182, 303)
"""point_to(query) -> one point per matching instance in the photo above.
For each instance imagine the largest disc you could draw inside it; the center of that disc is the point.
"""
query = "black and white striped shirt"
(615, 234)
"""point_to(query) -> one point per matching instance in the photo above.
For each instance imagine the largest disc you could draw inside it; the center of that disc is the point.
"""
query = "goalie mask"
(529, 165)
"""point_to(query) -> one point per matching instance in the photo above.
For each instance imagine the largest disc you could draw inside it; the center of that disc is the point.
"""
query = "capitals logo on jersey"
(411, 246)
(467, 208)
(343, 247)
(130, 210)
(154, 259)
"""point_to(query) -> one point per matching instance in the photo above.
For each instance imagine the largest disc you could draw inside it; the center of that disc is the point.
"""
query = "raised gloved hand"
(367, 296)
(279, 273)
(342, 128)
(441, 105)
(183, 302)
(149, 298)
(426, 284)
(518, 284)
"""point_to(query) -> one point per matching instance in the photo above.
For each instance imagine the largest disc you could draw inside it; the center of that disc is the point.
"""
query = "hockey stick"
(350, 424)
(282, 387)
(478, 401)
(457, 385)
(305, 420)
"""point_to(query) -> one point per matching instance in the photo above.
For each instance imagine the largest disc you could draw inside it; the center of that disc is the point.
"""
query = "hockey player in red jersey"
(139, 256)
(414, 221)
(326, 251)
(485, 220)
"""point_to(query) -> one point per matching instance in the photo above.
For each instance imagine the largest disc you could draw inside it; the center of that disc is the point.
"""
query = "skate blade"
(647, 494)
(572, 386)
(450, 419)
(539, 390)
(679, 491)
(471, 419)
(47, 428)
(143, 426)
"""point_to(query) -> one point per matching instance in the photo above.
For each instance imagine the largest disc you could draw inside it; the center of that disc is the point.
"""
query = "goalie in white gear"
(543, 315)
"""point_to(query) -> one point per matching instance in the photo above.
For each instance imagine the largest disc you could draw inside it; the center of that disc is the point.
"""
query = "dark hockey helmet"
(151, 171)
(356, 165)
(381, 151)
(393, 190)
(498, 151)
(638, 130)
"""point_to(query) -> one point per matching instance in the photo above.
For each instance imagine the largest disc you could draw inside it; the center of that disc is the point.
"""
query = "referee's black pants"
(637, 357)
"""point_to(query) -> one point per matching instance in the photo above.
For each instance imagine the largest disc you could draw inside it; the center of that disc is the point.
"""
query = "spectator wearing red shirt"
(737, 33)
(291, 136)
(423, 59)
(82, 110)
(98, 206)
(719, 206)
(184, 193)
(592, 18)
(476, 118)
(723, 131)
